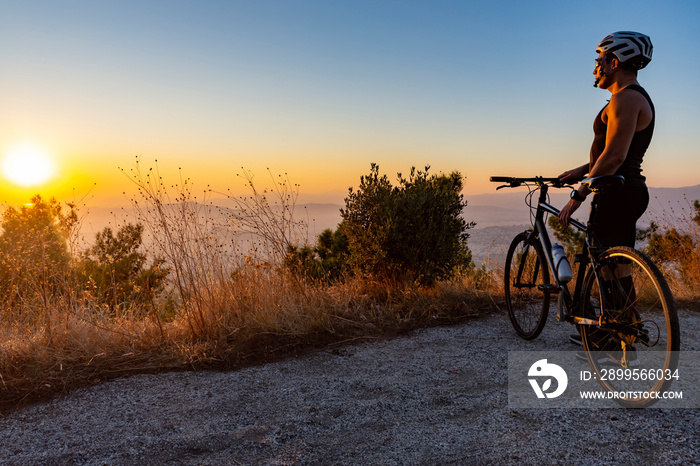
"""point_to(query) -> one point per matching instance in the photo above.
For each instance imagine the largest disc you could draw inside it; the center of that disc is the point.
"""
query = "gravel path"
(436, 396)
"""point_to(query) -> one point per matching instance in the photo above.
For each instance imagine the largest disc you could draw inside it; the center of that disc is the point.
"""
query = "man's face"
(603, 68)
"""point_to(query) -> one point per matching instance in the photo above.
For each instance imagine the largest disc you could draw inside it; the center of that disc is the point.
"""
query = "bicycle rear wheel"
(526, 278)
(635, 351)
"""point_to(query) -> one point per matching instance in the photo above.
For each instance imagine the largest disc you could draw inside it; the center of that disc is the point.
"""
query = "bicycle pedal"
(549, 289)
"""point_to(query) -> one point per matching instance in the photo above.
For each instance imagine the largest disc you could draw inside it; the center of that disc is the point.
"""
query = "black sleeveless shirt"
(631, 168)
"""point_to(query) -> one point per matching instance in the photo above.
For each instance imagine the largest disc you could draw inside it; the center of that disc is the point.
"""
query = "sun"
(28, 165)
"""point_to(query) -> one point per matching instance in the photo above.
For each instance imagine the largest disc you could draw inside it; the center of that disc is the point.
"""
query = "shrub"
(412, 231)
(326, 261)
(34, 254)
(675, 248)
(115, 269)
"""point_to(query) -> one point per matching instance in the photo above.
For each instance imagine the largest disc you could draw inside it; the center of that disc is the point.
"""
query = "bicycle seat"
(599, 183)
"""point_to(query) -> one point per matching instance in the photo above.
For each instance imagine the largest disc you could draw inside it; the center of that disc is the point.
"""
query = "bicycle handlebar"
(514, 182)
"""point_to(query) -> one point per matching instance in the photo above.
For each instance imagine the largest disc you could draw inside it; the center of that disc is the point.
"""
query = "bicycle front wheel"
(526, 278)
(634, 352)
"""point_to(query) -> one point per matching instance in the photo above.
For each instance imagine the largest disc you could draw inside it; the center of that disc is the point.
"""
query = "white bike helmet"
(632, 48)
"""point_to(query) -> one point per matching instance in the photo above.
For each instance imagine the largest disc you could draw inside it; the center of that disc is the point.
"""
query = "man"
(622, 133)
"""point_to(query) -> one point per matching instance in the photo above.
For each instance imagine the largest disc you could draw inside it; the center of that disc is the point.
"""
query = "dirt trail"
(435, 396)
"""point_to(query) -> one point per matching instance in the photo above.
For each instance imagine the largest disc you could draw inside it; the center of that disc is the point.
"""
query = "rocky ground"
(435, 396)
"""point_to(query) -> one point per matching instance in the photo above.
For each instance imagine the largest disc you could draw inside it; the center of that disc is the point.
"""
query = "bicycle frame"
(590, 248)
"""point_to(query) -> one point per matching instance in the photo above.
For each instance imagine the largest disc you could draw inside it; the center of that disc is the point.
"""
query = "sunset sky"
(320, 89)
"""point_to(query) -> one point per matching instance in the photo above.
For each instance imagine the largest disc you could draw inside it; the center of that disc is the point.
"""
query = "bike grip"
(501, 179)
(575, 180)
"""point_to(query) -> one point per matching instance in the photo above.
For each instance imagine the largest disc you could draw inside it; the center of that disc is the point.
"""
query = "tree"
(34, 253)
(412, 231)
(115, 270)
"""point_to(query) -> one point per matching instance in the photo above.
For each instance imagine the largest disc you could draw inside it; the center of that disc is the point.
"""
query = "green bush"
(327, 260)
(115, 270)
(411, 231)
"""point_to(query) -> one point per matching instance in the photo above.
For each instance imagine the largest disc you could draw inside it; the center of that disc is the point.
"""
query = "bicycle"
(621, 304)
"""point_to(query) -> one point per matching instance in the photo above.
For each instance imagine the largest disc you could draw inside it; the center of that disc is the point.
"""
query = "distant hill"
(498, 215)
(318, 216)
(497, 212)
(507, 206)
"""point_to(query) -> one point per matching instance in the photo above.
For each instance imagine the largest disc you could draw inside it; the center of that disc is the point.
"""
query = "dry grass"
(260, 316)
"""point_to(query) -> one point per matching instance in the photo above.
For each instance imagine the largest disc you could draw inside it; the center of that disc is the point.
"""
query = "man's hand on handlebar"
(574, 175)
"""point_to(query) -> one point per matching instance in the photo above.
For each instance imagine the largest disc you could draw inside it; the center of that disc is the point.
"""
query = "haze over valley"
(499, 216)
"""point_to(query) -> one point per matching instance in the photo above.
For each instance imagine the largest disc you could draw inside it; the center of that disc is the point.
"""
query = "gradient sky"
(320, 89)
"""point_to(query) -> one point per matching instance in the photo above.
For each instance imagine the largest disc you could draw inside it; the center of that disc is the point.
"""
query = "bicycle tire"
(643, 335)
(526, 299)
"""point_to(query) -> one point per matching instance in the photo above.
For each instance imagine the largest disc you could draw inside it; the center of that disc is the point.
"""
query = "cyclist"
(622, 133)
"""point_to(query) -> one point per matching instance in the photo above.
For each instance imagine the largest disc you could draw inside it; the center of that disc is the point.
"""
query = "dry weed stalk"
(269, 214)
(184, 231)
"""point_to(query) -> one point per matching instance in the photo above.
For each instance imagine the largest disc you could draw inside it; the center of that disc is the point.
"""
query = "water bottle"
(561, 264)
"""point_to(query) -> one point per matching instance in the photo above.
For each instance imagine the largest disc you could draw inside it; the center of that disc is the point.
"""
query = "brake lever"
(512, 184)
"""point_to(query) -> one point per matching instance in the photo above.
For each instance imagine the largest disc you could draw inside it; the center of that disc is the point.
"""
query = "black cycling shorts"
(619, 208)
